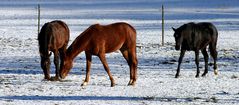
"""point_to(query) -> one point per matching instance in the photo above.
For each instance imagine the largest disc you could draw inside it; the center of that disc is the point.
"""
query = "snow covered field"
(21, 78)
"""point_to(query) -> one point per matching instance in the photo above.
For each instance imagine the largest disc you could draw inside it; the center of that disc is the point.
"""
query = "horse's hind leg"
(62, 54)
(133, 67)
(126, 56)
(132, 62)
(105, 64)
(88, 65)
(205, 54)
(45, 65)
(56, 62)
(213, 52)
(197, 62)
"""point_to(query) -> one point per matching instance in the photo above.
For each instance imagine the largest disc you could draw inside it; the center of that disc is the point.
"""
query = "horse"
(53, 37)
(195, 37)
(101, 39)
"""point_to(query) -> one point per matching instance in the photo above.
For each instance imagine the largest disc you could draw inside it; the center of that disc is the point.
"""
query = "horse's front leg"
(105, 64)
(179, 62)
(56, 62)
(88, 65)
(197, 62)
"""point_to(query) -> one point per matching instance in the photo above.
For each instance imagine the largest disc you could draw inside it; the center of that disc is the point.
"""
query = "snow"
(21, 78)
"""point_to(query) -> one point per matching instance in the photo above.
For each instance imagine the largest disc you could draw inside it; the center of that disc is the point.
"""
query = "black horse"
(195, 37)
(53, 37)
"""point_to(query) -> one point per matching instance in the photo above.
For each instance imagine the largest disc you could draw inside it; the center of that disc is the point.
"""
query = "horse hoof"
(47, 78)
(204, 74)
(112, 84)
(84, 83)
(176, 76)
(197, 76)
(132, 84)
(216, 72)
(55, 79)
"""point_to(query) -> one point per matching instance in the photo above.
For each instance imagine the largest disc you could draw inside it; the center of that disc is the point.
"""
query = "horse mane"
(85, 34)
(70, 48)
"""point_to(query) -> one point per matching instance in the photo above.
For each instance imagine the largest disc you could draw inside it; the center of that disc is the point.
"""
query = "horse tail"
(44, 39)
(214, 34)
(213, 44)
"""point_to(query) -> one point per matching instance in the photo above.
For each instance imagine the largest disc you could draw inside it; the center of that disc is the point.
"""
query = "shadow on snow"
(119, 98)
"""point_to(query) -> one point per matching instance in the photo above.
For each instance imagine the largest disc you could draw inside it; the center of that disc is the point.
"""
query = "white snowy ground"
(21, 78)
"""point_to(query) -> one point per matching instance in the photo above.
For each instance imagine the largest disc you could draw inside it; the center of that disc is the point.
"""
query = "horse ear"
(173, 29)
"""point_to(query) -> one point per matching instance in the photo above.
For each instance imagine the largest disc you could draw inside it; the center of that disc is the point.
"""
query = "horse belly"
(113, 47)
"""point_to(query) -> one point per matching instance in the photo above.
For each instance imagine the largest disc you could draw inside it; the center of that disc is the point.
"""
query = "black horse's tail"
(44, 38)
(214, 35)
(213, 44)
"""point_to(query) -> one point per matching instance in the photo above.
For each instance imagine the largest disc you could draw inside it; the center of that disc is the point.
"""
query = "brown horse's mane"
(82, 38)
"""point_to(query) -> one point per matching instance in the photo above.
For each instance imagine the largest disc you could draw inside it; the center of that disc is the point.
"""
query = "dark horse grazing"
(98, 40)
(195, 37)
(53, 37)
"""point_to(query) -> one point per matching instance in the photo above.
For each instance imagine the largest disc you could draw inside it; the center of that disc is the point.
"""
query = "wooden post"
(38, 30)
(162, 25)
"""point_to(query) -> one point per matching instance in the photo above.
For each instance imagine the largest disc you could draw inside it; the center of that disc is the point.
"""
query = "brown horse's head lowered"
(53, 37)
(66, 66)
(98, 40)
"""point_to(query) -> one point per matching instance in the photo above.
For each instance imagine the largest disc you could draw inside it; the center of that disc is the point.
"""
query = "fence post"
(162, 25)
(38, 30)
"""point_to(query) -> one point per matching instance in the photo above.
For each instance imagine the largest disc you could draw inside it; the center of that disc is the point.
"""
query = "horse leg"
(104, 62)
(213, 53)
(133, 67)
(56, 62)
(179, 62)
(197, 62)
(126, 56)
(45, 66)
(88, 65)
(132, 62)
(205, 54)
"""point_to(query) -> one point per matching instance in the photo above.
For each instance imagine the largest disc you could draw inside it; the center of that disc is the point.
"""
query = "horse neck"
(77, 46)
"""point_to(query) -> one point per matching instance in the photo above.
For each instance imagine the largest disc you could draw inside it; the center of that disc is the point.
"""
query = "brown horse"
(53, 37)
(98, 40)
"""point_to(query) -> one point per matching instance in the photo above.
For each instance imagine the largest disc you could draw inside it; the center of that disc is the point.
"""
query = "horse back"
(110, 37)
(198, 35)
(53, 35)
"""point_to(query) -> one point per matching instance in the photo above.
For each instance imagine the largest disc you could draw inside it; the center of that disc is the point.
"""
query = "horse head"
(66, 66)
(178, 38)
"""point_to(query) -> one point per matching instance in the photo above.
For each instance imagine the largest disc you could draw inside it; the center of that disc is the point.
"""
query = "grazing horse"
(98, 40)
(53, 37)
(195, 37)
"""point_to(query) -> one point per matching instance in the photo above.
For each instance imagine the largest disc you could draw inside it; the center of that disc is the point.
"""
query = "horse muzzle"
(63, 76)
